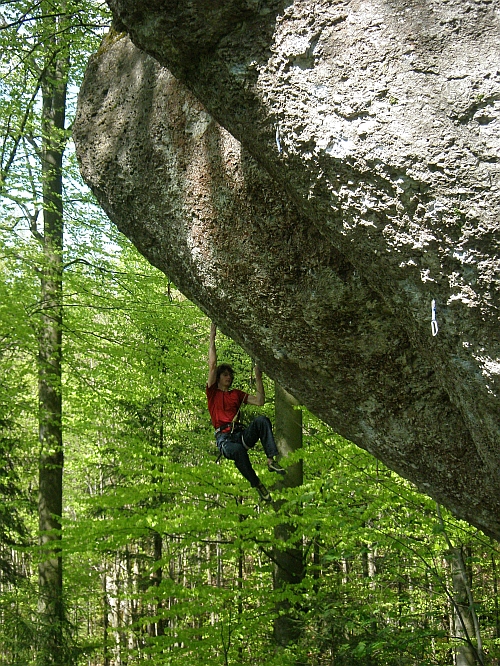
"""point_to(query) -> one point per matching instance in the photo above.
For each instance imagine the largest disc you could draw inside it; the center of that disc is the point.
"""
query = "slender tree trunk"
(370, 571)
(495, 594)
(316, 560)
(466, 653)
(105, 618)
(369, 565)
(240, 591)
(49, 362)
(116, 592)
(465, 623)
(157, 580)
(158, 629)
(289, 564)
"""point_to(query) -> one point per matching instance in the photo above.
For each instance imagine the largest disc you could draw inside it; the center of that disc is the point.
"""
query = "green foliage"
(16, 406)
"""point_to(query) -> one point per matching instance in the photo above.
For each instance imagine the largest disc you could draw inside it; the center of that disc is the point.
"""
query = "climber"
(233, 439)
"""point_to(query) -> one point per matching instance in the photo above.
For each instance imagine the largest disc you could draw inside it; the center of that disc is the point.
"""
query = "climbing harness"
(230, 428)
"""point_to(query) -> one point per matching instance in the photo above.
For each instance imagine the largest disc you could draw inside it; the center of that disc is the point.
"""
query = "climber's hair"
(222, 368)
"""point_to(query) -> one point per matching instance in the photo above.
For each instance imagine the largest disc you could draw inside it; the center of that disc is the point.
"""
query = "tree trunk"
(463, 613)
(49, 359)
(105, 618)
(289, 564)
(495, 594)
(240, 591)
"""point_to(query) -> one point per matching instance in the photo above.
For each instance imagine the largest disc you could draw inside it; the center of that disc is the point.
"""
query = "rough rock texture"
(364, 188)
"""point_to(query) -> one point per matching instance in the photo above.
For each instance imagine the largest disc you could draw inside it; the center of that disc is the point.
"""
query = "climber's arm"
(212, 357)
(260, 397)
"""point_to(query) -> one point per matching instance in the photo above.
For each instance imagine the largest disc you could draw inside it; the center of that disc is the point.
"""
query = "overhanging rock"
(364, 189)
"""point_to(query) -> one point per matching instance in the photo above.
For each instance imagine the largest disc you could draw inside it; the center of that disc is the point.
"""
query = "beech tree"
(54, 84)
(288, 555)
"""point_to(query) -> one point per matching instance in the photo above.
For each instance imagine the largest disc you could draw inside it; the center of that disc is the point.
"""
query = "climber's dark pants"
(235, 446)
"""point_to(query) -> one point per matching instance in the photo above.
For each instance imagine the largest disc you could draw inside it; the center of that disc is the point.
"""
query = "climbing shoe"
(263, 492)
(276, 467)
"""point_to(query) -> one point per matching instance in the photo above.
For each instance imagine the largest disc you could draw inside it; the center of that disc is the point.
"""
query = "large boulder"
(343, 226)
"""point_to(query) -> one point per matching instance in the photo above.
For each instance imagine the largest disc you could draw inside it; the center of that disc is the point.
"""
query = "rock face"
(339, 218)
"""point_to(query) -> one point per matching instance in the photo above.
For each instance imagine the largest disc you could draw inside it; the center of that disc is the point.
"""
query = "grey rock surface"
(354, 187)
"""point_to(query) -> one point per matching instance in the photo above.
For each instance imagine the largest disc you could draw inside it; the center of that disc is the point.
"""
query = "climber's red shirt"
(223, 405)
